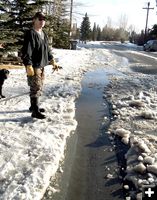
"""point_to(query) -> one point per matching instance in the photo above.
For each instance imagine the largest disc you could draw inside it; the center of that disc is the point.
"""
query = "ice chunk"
(137, 103)
(152, 168)
(148, 114)
(149, 160)
(122, 132)
(141, 168)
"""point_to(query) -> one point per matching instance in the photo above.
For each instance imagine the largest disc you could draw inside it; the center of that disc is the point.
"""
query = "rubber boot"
(35, 110)
(31, 109)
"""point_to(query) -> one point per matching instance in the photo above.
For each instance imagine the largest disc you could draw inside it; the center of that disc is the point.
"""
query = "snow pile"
(31, 149)
(134, 112)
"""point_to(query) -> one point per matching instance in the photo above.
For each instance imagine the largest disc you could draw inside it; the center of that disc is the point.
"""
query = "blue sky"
(99, 11)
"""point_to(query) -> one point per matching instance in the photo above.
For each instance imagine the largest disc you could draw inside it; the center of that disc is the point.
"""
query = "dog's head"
(4, 73)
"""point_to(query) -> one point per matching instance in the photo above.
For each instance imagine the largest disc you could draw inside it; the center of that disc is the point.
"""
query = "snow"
(31, 149)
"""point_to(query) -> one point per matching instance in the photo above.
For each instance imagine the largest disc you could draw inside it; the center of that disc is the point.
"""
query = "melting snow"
(31, 149)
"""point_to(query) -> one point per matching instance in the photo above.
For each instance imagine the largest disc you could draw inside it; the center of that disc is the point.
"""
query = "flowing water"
(90, 170)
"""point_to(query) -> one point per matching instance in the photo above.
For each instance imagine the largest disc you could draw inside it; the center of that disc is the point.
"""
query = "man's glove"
(55, 65)
(30, 70)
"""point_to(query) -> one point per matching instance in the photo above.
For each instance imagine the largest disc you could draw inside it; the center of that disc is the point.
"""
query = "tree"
(153, 31)
(132, 37)
(60, 34)
(59, 24)
(94, 32)
(140, 38)
(108, 33)
(122, 27)
(98, 33)
(16, 17)
(109, 22)
(85, 30)
(123, 20)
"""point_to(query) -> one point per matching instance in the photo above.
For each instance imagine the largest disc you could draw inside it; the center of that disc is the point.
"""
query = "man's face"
(39, 22)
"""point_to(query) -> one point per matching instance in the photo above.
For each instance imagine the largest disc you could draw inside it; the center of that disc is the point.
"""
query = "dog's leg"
(0, 91)
(3, 76)
(1, 96)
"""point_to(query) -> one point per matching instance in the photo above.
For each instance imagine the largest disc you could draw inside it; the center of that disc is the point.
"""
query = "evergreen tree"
(15, 18)
(85, 30)
(59, 25)
(94, 33)
(132, 37)
(99, 34)
(153, 32)
(60, 33)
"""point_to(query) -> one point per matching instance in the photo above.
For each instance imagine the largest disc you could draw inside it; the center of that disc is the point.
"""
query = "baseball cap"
(39, 15)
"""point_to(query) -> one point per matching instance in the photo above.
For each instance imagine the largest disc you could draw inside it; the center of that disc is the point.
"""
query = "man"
(36, 55)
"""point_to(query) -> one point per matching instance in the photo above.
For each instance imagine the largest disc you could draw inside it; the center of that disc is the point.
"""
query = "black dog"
(4, 73)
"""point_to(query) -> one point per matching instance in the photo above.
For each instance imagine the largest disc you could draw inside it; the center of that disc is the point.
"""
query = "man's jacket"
(35, 50)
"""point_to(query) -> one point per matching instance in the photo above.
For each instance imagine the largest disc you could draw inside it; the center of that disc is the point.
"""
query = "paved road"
(139, 61)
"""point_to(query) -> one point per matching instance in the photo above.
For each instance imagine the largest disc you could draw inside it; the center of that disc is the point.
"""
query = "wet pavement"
(94, 159)
(90, 169)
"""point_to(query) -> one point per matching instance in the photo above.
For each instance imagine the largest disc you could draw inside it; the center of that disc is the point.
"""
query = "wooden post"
(147, 8)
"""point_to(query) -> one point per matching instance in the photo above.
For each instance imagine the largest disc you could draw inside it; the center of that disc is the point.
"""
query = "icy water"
(89, 156)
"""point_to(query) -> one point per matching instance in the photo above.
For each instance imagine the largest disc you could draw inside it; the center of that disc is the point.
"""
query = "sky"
(99, 10)
(30, 149)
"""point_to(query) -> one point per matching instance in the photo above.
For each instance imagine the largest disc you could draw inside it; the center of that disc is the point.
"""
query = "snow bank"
(134, 110)
(31, 149)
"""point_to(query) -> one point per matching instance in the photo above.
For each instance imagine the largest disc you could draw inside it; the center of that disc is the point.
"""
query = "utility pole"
(147, 8)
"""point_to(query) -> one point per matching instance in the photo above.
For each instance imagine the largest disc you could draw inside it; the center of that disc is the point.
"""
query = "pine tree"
(85, 30)
(15, 18)
(60, 34)
(153, 31)
(94, 33)
(59, 25)
(98, 33)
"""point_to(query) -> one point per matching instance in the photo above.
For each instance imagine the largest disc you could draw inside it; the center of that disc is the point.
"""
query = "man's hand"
(30, 70)
(54, 64)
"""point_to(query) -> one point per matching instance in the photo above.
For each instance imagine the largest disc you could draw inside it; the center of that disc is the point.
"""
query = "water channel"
(89, 158)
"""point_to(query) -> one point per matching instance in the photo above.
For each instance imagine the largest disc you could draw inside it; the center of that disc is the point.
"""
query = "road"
(90, 170)
(139, 60)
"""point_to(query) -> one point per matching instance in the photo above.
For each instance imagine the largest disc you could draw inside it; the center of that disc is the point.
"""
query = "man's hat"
(39, 15)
